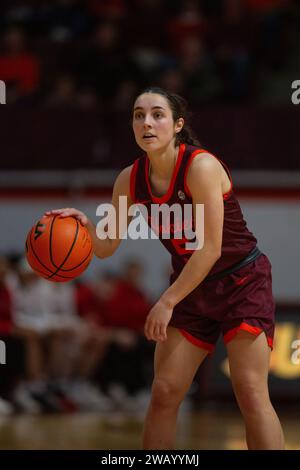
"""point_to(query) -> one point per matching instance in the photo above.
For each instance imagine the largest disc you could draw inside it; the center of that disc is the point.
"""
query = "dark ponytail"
(186, 136)
(178, 106)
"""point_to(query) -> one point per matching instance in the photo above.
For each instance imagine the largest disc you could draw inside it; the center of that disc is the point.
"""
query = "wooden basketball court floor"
(210, 429)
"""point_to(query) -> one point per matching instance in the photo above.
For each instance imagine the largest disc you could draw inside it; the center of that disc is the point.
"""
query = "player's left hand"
(157, 321)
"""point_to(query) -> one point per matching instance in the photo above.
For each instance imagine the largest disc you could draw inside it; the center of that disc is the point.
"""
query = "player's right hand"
(157, 321)
(69, 212)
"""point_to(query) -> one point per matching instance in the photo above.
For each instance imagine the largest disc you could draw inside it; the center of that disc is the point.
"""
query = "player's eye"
(158, 115)
(138, 115)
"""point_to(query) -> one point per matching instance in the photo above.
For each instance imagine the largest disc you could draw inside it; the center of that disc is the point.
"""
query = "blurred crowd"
(76, 346)
(82, 54)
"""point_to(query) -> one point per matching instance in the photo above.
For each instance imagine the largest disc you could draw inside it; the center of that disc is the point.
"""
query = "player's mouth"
(149, 136)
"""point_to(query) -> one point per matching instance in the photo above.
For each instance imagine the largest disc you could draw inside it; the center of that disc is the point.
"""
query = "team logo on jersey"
(181, 195)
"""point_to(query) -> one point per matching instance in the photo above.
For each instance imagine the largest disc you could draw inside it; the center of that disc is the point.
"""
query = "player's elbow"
(103, 254)
(105, 250)
(214, 252)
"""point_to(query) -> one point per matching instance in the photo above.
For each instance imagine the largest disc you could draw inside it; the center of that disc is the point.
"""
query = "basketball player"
(225, 287)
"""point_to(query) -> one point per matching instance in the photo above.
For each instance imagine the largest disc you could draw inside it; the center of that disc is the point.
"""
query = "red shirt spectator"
(17, 66)
(127, 308)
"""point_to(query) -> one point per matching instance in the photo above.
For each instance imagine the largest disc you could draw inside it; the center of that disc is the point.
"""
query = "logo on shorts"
(241, 281)
(181, 195)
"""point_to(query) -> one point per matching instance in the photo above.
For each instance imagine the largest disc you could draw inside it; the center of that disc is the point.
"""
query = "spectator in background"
(124, 96)
(189, 21)
(127, 305)
(127, 367)
(66, 20)
(232, 40)
(199, 71)
(61, 349)
(12, 370)
(19, 67)
(105, 44)
(63, 95)
(146, 26)
(102, 65)
(172, 78)
(117, 307)
(66, 95)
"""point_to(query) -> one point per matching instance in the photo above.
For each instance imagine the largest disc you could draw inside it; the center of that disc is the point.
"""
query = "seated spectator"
(199, 71)
(188, 22)
(11, 371)
(19, 68)
(119, 306)
(61, 349)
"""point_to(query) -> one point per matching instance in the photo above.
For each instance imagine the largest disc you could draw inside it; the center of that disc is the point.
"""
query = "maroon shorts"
(242, 300)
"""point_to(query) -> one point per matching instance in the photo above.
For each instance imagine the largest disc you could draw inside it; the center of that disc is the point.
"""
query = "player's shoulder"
(204, 163)
(122, 182)
(125, 173)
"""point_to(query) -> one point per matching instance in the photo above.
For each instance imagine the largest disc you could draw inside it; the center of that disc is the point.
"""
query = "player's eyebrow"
(153, 107)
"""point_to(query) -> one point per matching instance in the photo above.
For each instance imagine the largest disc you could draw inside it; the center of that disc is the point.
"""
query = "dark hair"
(179, 108)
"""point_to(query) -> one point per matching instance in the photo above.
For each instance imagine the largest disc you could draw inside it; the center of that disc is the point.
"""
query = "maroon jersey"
(237, 241)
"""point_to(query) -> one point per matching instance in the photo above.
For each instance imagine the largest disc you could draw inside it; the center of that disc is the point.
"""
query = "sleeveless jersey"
(237, 241)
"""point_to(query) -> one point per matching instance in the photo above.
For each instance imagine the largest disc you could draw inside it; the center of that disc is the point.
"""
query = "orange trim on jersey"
(254, 330)
(197, 342)
(166, 196)
(132, 180)
(193, 155)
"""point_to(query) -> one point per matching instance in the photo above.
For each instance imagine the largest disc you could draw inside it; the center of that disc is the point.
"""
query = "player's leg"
(249, 364)
(175, 364)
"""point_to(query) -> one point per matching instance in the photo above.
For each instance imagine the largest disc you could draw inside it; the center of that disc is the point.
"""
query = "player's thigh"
(249, 358)
(176, 359)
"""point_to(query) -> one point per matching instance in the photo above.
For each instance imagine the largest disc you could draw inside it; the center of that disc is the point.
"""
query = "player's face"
(153, 123)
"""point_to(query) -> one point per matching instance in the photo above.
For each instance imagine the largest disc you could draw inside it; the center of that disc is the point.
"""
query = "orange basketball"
(59, 248)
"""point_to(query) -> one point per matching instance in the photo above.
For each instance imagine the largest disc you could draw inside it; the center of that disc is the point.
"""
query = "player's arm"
(204, 182)
(106, 247)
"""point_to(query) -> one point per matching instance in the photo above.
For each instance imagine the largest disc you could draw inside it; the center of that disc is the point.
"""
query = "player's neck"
(162, 163)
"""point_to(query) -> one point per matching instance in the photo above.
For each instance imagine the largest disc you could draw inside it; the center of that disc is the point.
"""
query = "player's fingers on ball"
(59, 211)
(53, 211)
(70, 212)
(83, 219)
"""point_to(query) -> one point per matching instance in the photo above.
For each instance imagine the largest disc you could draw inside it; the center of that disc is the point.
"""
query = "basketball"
(59, 248)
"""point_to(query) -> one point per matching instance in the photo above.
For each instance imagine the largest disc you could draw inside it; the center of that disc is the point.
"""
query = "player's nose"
(147, 122)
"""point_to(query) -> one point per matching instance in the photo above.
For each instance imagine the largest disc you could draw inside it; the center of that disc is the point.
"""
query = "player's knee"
(251, 396)
(166, 394)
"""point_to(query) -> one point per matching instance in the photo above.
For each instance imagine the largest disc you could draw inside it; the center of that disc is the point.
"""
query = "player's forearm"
(195, 270)
(102, 248)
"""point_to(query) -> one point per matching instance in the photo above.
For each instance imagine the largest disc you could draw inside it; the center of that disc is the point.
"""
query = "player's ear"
(179, 125)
